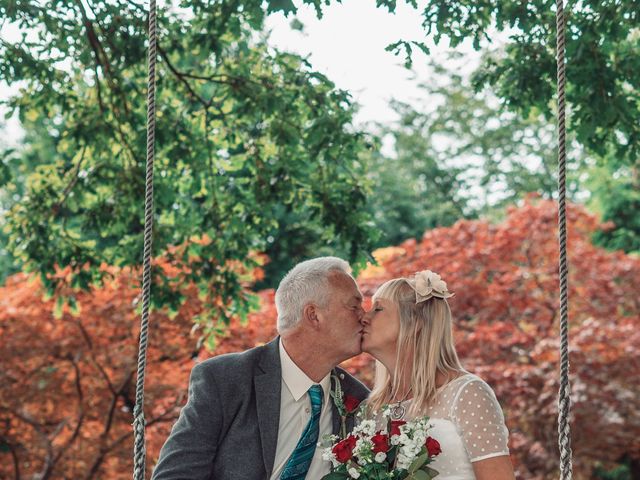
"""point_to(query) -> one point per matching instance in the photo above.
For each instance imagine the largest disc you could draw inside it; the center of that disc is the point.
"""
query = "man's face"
(342, 315)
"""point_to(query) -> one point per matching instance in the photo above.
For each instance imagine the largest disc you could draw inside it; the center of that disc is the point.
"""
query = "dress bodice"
(468, 423)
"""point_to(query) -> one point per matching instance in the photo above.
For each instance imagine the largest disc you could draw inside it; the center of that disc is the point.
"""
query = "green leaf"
(336, 476)
(418, 475)
(431, 473)
(418, 463)
(59, 307)
(285, 6)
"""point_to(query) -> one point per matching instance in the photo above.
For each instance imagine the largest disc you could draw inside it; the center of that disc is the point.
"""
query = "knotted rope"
(139, 451)
(564, 399)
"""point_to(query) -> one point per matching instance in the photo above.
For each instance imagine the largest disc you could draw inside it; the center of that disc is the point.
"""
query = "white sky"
(348, 45)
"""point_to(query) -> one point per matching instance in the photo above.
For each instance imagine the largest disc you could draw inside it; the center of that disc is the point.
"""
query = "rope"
(564, 399)
(139, 451)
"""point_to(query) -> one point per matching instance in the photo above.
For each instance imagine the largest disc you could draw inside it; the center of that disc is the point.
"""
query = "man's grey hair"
(307, 282)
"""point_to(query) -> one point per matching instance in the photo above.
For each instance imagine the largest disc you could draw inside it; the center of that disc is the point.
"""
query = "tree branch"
(182, 79)
(71, 184)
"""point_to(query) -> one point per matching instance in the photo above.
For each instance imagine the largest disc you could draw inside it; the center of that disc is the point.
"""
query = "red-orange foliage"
(67, 384)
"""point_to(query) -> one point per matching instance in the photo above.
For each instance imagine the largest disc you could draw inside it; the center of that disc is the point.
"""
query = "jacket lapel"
(267, 382)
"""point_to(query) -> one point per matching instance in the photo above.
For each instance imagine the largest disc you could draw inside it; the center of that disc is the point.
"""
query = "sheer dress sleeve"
(478, 416)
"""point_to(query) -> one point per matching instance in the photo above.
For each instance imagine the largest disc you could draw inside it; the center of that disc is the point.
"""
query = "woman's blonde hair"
(425, 345)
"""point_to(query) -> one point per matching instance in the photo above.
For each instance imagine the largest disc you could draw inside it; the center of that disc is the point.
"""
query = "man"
(259, 414)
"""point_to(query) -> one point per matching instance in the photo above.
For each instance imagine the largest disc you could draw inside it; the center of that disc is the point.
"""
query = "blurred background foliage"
(259, 162)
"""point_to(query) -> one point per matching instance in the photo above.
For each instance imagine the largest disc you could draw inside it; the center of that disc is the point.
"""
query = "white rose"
(353, 473)
(380, 457)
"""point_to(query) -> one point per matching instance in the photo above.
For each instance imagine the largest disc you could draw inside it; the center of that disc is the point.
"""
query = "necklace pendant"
(397, 412)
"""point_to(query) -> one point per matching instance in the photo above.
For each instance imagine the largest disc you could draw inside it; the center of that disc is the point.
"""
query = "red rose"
(433, 447)
(380, 443)
(351, 403)
(395, 426)
(343, 450)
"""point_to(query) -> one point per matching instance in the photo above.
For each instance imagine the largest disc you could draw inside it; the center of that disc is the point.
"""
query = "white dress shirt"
(295, 412)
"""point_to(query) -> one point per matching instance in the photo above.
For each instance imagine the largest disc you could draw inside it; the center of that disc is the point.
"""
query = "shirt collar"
(296, 380)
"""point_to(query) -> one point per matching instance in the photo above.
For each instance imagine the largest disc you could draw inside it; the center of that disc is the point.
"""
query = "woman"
(408, 331)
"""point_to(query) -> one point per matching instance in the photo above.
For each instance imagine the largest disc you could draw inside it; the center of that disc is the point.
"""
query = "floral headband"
(428, 284)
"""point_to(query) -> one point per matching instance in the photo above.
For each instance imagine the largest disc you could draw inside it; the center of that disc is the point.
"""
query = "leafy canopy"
(249, 138)
(246, 136)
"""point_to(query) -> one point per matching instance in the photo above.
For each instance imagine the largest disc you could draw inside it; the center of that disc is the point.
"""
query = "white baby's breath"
(329, 456)
(402, 461)
(366, 428)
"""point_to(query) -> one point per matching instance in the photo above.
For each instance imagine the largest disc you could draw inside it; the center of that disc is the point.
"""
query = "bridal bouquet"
(403, 450)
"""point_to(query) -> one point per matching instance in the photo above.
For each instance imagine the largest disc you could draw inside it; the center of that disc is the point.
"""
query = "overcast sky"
(348, 45)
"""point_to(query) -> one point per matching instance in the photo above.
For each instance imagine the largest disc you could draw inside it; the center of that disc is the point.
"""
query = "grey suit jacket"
(229, 427)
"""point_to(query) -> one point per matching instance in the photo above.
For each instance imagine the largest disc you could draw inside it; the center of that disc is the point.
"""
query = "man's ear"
(310, 315)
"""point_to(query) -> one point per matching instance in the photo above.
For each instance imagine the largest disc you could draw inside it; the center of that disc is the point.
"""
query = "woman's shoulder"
(468, 383)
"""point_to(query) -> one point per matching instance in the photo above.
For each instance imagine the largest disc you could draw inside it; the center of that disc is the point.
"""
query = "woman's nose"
(366, 318)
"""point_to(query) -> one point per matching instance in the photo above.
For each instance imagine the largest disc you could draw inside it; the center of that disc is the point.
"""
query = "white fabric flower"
(428, 284)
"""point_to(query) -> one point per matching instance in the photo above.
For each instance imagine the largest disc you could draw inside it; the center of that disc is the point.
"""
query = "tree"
(414, 189)
(602, 54)
(237, 106)
(459, 154)
(616, 197)
(66, 393)
(603, 58)
(513, 155)
(246, 136)
(15, 167)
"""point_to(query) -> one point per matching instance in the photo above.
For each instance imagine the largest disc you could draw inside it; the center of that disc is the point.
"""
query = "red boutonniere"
(347, 405)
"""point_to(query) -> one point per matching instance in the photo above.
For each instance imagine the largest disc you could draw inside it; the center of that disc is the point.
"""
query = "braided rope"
(139, 451)
(564, 399)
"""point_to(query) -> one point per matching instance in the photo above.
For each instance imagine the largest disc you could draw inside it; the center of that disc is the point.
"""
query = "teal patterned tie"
(300, 460)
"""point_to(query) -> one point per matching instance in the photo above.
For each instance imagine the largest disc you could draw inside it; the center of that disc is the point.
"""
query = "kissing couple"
(260, 414)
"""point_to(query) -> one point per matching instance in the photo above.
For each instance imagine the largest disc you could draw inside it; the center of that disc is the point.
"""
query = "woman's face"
(381, 328)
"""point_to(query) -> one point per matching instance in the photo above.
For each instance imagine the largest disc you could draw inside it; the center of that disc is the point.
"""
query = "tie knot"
(315, 395)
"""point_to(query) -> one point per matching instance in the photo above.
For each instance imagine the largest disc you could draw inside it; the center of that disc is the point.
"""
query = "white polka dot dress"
(469, 425)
